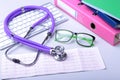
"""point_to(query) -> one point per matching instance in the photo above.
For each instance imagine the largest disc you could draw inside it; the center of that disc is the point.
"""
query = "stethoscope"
(57, 52)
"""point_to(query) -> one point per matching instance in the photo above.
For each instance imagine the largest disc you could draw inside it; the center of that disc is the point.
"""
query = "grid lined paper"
(79, 59)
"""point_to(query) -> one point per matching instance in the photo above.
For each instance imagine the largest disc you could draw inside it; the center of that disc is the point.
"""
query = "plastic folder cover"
(110, 7)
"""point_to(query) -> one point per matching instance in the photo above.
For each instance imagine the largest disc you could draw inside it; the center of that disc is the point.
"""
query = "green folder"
(109, 7)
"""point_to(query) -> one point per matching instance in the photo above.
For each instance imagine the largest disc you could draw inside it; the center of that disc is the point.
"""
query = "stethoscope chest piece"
(58, 53)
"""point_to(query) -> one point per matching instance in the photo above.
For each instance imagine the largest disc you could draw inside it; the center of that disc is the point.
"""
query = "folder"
(84, 15)
(109, 7)
(111, 21)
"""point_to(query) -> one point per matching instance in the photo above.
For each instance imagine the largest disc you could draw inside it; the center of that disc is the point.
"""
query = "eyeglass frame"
(72, 36)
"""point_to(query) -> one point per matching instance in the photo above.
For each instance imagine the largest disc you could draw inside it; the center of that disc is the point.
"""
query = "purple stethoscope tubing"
(24, 41)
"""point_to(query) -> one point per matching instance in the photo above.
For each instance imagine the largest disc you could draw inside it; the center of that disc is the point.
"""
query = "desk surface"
(110, 54)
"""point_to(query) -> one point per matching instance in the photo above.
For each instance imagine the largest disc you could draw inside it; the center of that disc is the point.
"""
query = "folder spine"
(85, 16)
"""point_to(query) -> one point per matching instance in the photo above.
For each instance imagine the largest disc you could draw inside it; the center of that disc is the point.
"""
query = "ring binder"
(84, 15)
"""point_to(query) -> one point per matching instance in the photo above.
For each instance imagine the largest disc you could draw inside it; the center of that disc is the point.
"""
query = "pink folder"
(84, 15)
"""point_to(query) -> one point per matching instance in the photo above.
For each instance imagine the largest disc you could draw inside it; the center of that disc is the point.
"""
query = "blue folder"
(111, 21)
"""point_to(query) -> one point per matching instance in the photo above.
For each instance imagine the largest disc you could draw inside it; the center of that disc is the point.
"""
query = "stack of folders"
(108, 10)
(100, 16)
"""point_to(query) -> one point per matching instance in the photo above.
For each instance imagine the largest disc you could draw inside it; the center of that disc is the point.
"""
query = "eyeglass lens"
(63, 36)
(84, 39)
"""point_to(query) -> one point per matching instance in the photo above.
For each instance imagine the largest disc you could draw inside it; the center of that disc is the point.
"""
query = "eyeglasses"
(83, 39)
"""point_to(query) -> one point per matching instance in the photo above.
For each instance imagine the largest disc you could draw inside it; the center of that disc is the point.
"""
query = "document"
(78, 59)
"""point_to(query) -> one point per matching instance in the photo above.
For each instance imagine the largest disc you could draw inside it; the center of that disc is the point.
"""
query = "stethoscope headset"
(57, 52)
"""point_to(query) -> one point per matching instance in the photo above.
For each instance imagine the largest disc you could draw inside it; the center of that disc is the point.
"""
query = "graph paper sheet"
(79, 59)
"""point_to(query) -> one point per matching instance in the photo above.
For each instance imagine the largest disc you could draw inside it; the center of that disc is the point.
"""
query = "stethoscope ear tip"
(58, 53)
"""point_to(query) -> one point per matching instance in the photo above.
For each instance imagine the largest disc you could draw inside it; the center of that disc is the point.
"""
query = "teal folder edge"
(113, 11)
(111, 21)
